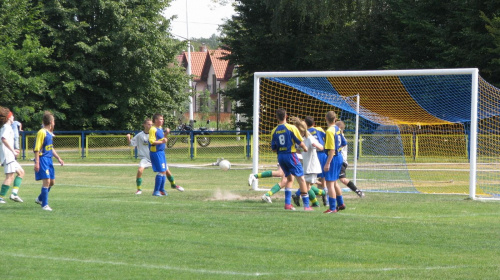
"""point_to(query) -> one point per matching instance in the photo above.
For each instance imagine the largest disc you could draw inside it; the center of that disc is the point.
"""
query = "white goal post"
(470, 75)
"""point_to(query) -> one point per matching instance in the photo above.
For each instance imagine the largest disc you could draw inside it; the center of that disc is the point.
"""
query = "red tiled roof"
(200, 64)
(221, 66)
(198, 61)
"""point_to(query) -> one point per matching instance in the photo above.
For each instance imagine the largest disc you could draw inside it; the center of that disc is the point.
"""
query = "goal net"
(422, 131)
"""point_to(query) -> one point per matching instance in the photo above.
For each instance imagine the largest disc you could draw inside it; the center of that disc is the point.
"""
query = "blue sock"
(305, 200)
(45, 196)
(297, 193)
(340, 199)
(288, 196)
(332, 201)
(40, 197)
(162, 185)
(157, 183)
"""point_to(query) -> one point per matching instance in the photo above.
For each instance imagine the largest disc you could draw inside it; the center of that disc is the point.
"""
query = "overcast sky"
(204, 17)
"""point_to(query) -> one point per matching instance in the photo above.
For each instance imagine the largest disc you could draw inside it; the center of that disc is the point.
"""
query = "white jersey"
(310, 159)
(141, 141)
(344, 153)
(6, 155)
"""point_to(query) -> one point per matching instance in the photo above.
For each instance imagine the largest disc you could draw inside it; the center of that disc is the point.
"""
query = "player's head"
(147, 124)
(5, 115)
(331, 117)
(158, 119)
(48, 119)
(281, 114)
(301, 126)
(309, 121)
(341, 125)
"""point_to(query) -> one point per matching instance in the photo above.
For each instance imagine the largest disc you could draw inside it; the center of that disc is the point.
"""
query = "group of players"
(324, 161)
(150, 142)
(324, 157)
(44, 151)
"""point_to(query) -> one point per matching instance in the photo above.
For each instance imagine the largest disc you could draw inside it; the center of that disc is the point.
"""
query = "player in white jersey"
(8, 157)
(141, 141)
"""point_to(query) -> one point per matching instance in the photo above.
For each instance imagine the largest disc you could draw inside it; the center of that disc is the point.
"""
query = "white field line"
(228, 272)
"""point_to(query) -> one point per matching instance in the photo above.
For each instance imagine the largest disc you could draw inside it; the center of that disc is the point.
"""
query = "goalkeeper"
(342, 175)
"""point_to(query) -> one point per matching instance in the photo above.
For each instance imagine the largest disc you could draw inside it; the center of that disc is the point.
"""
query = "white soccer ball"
(225, 165)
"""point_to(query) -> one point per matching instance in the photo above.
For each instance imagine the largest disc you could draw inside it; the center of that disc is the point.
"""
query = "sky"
(204, 17)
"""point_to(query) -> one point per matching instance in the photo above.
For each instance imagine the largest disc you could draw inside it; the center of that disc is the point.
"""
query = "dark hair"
(281, 114)
(146, 120)
(309, 121)
(157, 116)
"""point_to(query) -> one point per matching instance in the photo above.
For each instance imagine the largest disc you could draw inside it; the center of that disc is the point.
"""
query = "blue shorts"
(158, 161)
(290, 164)
(335, 166)
(322, 161)
(46, 170)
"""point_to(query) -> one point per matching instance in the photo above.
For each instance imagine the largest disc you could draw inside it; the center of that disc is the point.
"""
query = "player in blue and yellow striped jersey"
(333, 143)
(157, 146)
(284, 138)
(44, 151)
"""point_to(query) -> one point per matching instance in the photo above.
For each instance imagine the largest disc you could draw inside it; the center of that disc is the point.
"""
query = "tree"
(289, 35)
(21, 54)
(115, 62)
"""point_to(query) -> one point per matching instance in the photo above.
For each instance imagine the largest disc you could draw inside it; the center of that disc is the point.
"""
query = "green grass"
(218, 229)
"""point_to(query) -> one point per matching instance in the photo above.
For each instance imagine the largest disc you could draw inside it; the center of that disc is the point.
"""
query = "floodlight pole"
(191, 115)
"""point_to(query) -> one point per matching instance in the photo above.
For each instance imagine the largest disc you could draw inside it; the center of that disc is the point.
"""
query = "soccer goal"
(422, 131)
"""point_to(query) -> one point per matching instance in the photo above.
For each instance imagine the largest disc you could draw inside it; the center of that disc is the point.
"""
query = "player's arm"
(330, 146)
(274, 146)
(132, 141)
(6, 144)
(40, 137)
(318, 146)
(57, 157)
(331, 153)
(298, 138)
(152, 137)
(343, 141)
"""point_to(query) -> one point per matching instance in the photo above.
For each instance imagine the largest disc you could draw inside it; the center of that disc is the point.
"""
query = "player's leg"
(159, 166)
(17, 182)
(171, 179)
(339, 197)
(304, 192)
(266, 174)
(266, 197)
(138, 180)
(332, 202)
(288, 192)
(9, 177)
(350, 184)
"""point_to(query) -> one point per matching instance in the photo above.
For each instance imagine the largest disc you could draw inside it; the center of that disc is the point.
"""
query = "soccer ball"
(225, 165)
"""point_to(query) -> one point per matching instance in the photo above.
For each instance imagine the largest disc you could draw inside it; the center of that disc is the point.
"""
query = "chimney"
(203, 48)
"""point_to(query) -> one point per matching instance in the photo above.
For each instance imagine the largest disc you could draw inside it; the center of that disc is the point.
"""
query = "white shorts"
(11, 167)
(145, 163)
(311, 178)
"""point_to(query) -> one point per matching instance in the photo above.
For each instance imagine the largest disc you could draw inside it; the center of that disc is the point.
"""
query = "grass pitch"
(218, 229)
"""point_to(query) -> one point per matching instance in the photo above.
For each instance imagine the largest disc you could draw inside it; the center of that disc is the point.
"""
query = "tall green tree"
(21, 57)
(290, 35)
(114, 62)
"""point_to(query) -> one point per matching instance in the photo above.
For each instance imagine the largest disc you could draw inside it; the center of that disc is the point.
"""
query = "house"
(211, 74)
